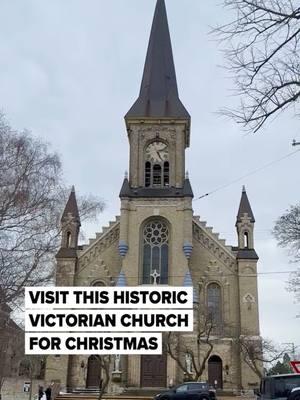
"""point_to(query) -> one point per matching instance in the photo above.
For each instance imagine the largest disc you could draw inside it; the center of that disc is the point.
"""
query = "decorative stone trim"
(187, 249)
(214, 245)
(100, 244)
(123, 248)
(248, 298)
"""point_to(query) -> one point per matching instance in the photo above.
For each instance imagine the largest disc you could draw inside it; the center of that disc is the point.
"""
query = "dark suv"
(188, 391)
(281, 387)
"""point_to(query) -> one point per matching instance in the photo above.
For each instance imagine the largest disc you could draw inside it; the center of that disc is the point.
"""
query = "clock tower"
(158, 124)
(156, 196)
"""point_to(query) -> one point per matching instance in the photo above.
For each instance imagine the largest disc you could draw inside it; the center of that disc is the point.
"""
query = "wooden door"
(93, 373)
(215, 372)
(154, 371)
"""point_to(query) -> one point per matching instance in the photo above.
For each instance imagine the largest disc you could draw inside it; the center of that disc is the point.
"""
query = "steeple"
(158, 96)
(71, 208)
(245, 208)
(70, 225)
(245, 229)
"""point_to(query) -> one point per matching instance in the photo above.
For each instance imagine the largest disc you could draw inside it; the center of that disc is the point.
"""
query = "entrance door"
(154, 371)
(93, 372)
(215, 372)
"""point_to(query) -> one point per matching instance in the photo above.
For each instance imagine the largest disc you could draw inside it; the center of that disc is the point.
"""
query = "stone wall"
(13, 389)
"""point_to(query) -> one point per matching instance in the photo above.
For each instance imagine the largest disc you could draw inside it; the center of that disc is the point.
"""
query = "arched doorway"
(154, 371)
(215, 372)
(93, 378)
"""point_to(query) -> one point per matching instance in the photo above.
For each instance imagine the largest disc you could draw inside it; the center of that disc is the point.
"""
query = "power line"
(255, 171)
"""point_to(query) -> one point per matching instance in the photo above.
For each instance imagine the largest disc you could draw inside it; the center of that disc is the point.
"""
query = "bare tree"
(196, 347)
(105, 364)
(11, 345)
(258, 352)
(32, 197)
(287, 233)
(261, 47)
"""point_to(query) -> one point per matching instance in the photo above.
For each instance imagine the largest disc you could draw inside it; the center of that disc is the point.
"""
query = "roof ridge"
(100, 235)
(213, 235)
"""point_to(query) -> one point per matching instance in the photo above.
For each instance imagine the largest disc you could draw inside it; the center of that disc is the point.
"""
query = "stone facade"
(158, 191)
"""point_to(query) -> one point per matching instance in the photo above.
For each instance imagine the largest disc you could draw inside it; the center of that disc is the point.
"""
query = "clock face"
(157, 152)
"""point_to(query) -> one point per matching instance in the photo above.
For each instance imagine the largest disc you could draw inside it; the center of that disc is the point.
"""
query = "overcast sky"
(70, 70)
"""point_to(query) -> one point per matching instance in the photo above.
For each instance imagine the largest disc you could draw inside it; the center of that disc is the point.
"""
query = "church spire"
(158, 96)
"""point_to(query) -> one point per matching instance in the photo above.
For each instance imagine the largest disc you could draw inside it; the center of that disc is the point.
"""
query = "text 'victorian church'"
(158, 240)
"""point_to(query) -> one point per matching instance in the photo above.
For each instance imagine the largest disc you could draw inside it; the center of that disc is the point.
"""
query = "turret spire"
(71, 207)
(158, 96)
(245, 207)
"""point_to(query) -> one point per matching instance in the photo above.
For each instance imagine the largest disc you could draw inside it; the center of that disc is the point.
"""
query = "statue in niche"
(117, 363)
(188, 363)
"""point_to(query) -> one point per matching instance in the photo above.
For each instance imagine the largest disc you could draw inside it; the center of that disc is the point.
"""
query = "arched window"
(166, 173)
(68, 239)
(157, 164)
(155, 252)
(156, 175)
(148, 174)
(246, 240)
(214, 305)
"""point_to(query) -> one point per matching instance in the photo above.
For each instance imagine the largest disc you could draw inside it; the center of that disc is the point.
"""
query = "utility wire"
(255, 171)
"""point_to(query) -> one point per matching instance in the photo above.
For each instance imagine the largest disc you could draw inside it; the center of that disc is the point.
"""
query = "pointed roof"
(245, 207)
(187, 188)
(71, 207)
(158, 96)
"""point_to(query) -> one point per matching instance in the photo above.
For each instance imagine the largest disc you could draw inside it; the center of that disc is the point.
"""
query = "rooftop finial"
(186, 174)
(244, 189)
(73, 189)
(126, 174)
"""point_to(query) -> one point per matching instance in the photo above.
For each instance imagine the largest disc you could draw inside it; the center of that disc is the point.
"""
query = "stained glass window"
(214, 304)
(155, 251)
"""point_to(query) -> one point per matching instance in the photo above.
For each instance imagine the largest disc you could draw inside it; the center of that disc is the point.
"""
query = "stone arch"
(98, 282)
(93, 378)
(215, 371)
(156, 163)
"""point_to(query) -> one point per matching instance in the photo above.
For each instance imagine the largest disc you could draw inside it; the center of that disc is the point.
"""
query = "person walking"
(40, 392)
(48, 392)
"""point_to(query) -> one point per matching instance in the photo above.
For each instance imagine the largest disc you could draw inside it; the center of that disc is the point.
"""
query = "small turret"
(70, 225)
(245, 228)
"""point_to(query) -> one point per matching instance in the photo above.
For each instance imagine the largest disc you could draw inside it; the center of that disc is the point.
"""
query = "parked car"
(283, 387)
(188, 391)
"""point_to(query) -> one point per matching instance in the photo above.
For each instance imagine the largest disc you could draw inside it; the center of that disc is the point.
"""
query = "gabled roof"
(71, 207)
(245, 208)
(158, 96)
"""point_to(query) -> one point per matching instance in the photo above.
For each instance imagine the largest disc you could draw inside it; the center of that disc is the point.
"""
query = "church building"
(158, 240)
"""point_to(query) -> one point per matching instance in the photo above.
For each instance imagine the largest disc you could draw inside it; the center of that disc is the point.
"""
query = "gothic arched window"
(68, 244)
(155, 252)
(246, 240)
(157, 164)
(214, 304)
